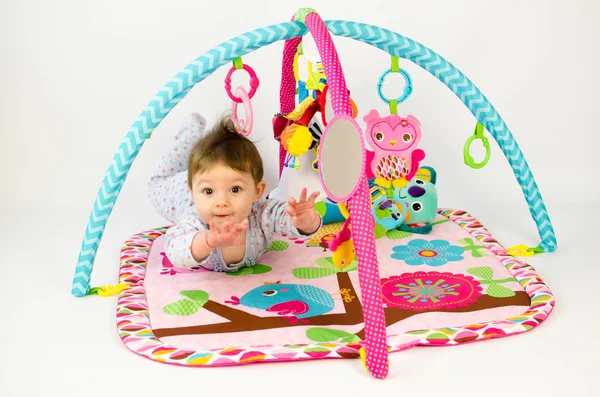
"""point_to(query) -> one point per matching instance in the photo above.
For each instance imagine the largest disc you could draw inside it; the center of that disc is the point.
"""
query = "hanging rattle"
(296, 138)
(293, 130)
(242, 126)
(394, 139)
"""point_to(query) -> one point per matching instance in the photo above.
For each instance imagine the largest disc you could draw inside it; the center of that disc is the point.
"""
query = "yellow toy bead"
(300, 141)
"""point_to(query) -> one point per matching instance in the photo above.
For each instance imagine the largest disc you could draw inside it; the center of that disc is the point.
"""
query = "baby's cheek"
(247, 208)
(202, 209)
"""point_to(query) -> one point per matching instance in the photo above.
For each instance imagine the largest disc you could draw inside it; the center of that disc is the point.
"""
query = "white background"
(76, 74)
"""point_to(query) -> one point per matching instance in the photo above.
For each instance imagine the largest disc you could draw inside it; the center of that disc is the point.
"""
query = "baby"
(224, 224)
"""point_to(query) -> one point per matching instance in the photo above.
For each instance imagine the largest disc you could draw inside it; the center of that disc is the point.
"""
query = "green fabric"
(395, 65)
(499, 291)
(301, 14)
(237, 62)
(494, 288)
(279, 245)
(195, 295)
(393, 106)
(246, 271)
(182, 307)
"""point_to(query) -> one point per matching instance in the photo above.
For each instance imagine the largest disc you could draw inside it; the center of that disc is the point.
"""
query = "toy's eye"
(379, 136)
(407, 137)
(416, 207)
(343, 262)
(270, 292)
(419, 182)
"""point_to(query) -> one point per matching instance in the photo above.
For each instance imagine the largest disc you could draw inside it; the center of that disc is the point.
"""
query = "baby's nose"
(221, 203)
(221, 200)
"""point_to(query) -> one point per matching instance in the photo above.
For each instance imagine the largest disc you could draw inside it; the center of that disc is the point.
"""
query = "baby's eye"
(236, 189)
(207, 191)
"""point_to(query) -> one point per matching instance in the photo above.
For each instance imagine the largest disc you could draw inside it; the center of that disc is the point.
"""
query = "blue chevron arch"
(393, 43)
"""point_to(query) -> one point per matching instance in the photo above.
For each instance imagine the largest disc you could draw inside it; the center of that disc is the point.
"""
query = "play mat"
(389, 270)
(455, 285)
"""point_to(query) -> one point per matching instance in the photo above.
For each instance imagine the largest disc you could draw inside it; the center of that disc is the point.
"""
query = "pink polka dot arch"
(343, 179)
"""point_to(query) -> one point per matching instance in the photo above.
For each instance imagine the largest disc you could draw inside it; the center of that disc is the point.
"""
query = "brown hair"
(225, 145)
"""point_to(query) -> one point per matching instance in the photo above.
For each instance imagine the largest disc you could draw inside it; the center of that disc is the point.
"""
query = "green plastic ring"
(469, 159)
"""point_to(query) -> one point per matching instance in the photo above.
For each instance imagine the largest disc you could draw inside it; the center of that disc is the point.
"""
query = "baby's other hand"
(303, 215)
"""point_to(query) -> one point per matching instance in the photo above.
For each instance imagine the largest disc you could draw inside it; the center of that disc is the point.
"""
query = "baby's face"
(222, 194)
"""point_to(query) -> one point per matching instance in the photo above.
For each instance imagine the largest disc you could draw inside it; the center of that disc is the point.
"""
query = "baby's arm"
(274, 214)
(189, 243)
(186, 244)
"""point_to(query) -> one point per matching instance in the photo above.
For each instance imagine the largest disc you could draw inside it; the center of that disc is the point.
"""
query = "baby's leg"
(168, 188)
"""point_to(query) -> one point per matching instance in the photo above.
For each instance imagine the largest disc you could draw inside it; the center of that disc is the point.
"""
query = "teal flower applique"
(425, 252)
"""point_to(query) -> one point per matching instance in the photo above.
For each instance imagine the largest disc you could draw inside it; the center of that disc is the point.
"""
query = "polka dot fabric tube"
(359, 203)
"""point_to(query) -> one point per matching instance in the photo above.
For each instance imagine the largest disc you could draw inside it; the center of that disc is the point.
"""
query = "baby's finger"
(242, 225)
(291, 210)
(313, 197)
(223, 229)
(306, 206)
(237, 229)
(303, 195)
(230, 226)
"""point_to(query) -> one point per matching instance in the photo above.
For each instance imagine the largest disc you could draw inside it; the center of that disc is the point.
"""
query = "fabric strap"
(359, 204)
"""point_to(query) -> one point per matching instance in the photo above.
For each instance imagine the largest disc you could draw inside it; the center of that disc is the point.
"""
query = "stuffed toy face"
(411, 208)
(420, 196)
(422, 199)
(392, 134)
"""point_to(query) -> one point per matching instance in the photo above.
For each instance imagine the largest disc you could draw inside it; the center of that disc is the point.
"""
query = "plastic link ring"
(253, 83)
(408, 88)
(469, 159)
(243, 127)
(478, 134)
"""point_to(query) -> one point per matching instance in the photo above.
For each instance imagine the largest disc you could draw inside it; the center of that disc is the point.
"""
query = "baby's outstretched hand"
(303, 215)
(228, 234)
